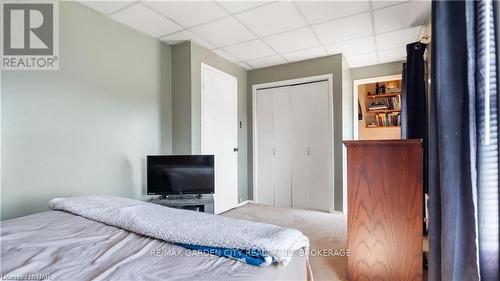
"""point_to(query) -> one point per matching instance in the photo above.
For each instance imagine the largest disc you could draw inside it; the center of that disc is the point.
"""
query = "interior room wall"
(181, 98)
(87, 127)
(319, 66)
(186, 92)
(377, 70)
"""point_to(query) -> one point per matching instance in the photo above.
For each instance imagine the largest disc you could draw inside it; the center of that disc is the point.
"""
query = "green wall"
(384, 69)
(325, 65)
(181, 98)
(86, 128)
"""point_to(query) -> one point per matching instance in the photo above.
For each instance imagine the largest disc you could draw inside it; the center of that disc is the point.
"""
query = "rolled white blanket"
(186, 227)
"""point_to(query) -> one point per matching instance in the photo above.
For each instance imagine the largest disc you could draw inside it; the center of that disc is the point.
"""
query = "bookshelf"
(382, 111)
(380, 104)
(384, 95)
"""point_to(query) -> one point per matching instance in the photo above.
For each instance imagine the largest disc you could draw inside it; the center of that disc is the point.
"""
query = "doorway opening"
(377, 108)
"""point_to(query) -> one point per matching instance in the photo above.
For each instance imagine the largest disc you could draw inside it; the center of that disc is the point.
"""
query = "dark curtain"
(486, 146)
(463, 168)
(404, 102)
(413, 99)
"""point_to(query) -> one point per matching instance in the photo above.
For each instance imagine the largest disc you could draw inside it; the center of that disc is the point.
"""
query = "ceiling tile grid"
(266, 61)
(250, 50)
(273, 18)
(256, 34)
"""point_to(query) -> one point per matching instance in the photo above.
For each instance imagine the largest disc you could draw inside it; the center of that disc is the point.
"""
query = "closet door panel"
(282, 148)
(264, 147)
(299, 141)
(311, 147)
(320, 145)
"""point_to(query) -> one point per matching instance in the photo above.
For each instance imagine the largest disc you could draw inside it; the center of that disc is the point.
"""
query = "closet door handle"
(308, 151)
(274, 150)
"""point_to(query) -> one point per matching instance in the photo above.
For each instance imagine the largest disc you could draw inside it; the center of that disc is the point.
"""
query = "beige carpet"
(325, 231)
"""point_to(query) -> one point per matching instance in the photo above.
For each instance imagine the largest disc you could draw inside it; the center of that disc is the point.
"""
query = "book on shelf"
(378, 107)
(389, 103)
(395, 102)
(388, 119)
(392, 90)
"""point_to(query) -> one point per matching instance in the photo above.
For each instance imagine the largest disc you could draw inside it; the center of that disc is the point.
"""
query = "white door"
(312, 175)
(282, 178)
(219, 133)
(320, 147)
(264, 147)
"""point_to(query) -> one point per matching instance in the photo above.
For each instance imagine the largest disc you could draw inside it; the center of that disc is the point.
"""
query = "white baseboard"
(244, 203)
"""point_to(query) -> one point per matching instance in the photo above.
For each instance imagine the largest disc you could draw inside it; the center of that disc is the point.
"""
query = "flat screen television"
(180, 174)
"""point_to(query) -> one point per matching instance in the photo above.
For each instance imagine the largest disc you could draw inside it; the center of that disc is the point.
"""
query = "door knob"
(236, 149)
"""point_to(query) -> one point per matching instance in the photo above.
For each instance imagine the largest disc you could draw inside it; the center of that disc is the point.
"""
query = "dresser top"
(348, 143)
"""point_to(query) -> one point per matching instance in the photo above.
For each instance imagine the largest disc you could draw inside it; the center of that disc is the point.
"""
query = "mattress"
(57, 245)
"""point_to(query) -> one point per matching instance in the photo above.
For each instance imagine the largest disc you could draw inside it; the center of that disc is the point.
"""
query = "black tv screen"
(180, 174)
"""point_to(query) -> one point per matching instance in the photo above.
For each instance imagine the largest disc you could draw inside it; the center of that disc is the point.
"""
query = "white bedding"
(70, 247)
(187, 227)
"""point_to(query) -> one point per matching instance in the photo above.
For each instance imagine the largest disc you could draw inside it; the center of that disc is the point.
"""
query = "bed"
(58, 245)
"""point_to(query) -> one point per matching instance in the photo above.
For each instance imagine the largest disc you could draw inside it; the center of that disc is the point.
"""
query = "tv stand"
(194, 202)
(180, 196)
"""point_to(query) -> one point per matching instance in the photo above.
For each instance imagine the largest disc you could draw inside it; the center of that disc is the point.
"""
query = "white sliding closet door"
(282, 177)
(300, 142)
(293, 146)
(219, 133)
(264, 147)
(312, 185)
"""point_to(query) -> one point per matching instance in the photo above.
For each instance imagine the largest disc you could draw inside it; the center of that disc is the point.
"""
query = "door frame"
(309, 79)
(355, 85)
(203, 68)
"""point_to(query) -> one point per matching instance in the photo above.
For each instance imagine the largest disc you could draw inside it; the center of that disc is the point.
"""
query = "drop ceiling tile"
(273, 18)
(378, 4)
(245, 65)
(223, 32)
(106, 7)
(306, 54)
(400, 16)
(321, 11)
(400, 38)
(397, 54)
(361, 60)
(239, 6)
(250, 50)
(225, 55)
(353, 47)
(292, 40)
(183, 36)
(188, 13)
(144, 19)
(344, 29)
(265, 62)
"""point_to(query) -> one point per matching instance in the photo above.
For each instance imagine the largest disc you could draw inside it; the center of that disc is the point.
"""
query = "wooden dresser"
(385, 202)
